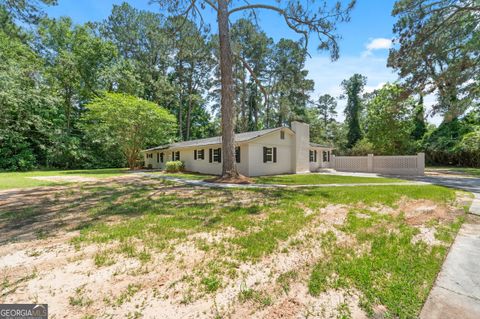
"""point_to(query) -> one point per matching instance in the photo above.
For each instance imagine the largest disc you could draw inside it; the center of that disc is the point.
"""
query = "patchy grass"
(257, 248)
(393, 271)
(312, 179)
(9, 180)
(160, 220)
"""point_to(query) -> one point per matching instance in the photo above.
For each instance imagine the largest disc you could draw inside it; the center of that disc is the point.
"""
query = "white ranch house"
(280, 150)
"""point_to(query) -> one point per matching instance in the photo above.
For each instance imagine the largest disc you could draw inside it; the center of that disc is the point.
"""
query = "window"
(210, 156)
(311, 156)
(282, 135)
(177, 155)
(161, 157)
(237, 154)
(325, 158)
(217, 155)
(269, 154)
(150, 155)
(198, 154)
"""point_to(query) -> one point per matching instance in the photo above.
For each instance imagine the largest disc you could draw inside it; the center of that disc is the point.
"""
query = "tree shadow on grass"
(40, 213)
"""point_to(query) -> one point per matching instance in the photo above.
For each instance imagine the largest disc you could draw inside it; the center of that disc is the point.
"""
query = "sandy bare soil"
(69, 179)
(43, 265)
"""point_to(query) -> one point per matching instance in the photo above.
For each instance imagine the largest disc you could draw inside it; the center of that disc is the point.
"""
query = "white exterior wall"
(320, 163)
(284, 154)
(292, 155)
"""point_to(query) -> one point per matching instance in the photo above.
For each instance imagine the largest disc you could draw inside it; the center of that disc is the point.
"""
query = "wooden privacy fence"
(399, 165)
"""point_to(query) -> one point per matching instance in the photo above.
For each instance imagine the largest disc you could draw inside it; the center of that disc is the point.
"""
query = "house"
(280, 150)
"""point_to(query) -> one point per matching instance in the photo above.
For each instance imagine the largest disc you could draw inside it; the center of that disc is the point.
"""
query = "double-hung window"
(176, 156)
(269, 154)
(217, 155)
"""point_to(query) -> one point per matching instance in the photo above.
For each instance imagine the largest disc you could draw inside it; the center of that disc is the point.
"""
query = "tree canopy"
(128, 123)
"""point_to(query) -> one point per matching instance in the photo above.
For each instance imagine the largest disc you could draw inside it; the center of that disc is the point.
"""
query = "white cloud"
(379, 44)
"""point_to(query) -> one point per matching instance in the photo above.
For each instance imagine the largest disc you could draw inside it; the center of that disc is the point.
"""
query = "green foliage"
(362, 148)
(26, 102)
(352, 89)
(419, 123)
(455, 142)
(174, 166)
(388, 122)
(447, 34)
(129, 123)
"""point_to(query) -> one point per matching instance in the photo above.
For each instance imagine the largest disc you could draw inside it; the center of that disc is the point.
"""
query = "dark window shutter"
(264, 154)
(210, 155)
(274, 154)
(195, 154)
(237, 154)
(219, 155)
(315, 158)
(173, 156)
(158, 157)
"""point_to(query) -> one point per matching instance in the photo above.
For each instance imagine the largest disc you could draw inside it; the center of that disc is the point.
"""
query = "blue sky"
(363, 47)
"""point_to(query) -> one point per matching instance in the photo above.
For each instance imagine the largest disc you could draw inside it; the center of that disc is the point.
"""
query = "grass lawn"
(311, 179)
(131, 247)
(463, 170)
(10, 180)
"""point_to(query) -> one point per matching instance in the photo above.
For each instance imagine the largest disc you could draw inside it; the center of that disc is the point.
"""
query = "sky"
(364, 43)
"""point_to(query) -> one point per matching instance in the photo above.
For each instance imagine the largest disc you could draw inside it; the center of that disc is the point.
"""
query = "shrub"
(174, 166)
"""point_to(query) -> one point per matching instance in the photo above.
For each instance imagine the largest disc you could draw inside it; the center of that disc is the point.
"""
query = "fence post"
(421, 163)
(370, 163)
(332, 162)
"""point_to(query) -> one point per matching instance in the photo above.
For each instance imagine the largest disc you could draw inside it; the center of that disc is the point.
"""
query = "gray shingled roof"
(319, 145)
(240, 137)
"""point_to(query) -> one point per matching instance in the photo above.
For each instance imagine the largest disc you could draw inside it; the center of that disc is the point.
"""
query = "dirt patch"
(427, 235)
(68, 179)
(288, 308)
(420, 212)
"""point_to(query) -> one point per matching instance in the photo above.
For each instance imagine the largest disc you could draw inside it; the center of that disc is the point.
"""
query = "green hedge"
(174, 166)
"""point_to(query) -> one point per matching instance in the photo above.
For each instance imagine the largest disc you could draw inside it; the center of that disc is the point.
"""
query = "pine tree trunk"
(229, 168)
(189, 108)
